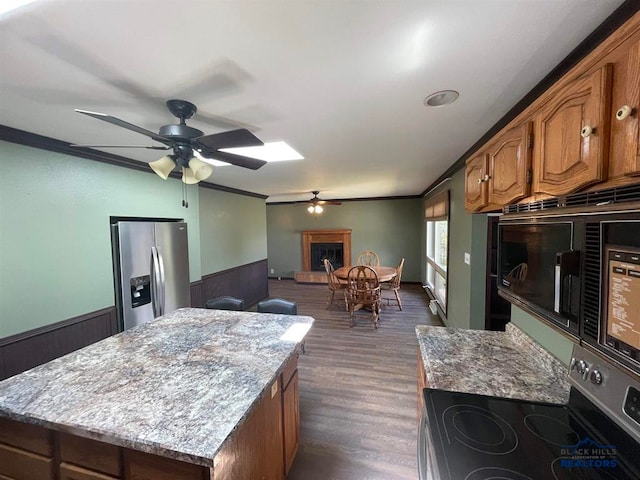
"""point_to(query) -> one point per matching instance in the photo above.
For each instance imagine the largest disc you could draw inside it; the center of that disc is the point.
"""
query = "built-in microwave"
(557, 267)
(539, 267)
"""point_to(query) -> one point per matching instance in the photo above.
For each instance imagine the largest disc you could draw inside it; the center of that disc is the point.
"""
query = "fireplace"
(331, 251)
(320, 244)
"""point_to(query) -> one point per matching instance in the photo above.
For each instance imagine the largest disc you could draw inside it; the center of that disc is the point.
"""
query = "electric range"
(465, 436)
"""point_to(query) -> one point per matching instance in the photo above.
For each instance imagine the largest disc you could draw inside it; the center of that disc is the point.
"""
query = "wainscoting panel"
(28, 349)
(249, 282)
(196, 294)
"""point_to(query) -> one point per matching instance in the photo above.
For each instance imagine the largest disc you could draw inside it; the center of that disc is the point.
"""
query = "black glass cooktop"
(476, 437)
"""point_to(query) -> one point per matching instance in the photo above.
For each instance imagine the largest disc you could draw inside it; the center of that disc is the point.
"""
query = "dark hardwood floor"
(357, 387)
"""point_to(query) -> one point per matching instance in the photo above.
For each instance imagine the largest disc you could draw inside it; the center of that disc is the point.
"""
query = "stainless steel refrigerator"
(151, 270)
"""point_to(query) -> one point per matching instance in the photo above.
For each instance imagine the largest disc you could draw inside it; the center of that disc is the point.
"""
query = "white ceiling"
(343, 82)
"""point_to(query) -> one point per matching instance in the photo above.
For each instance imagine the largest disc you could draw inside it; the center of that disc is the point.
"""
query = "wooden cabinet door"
(101, 457)
(17, 464)
(625, 113)
(475, 185)
(255, 450)
(145, 466)
(573, 135)
(291, 421)
(73, 472)
(509, 166)
(422, 382)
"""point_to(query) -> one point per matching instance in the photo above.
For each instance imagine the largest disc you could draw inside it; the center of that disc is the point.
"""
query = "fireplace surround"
(330, 239)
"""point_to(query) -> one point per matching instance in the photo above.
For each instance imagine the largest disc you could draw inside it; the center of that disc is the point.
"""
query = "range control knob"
(573, 365)
(581, 367)
(596, 377)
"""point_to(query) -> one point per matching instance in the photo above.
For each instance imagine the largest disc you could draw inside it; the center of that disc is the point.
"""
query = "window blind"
(437, 207)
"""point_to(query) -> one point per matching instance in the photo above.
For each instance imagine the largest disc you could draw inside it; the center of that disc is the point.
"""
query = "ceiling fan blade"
(129, 126)
(120, 146)
(233, 159)
(231, 139)
(327, 202)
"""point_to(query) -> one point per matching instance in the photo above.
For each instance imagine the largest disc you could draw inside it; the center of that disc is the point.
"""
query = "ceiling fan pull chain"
(185, 200)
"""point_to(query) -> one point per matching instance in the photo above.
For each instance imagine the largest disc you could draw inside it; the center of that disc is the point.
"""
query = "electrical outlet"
(273, 271)
(467, 258)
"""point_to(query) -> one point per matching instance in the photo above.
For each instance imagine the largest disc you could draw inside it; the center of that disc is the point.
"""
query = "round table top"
(384, 273)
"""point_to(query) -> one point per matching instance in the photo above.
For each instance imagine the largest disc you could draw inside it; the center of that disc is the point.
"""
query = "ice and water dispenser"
(140, 290)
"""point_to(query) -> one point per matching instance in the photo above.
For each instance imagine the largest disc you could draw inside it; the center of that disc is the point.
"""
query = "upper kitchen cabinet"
(510, 166)
(475, 183)
(586, 133)
(624, 159)
(502, 174)
(572, 141)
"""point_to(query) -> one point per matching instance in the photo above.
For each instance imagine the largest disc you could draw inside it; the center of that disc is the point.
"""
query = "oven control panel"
(608, 386)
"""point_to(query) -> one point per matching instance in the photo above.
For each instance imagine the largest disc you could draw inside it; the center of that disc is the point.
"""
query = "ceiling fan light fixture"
(200, 169)
(315, 208)
(163, 166)
(188, 176)
(441, 98)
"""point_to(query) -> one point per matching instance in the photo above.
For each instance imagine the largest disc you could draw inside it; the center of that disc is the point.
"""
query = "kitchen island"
(196, 394)
(506, 364)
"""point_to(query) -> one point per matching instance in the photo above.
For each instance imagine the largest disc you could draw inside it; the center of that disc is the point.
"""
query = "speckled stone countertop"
(502, 364)
(175, 387)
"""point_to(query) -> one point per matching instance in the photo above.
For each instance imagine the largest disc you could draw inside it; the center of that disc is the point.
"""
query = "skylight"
(9, 5)
(269, 152)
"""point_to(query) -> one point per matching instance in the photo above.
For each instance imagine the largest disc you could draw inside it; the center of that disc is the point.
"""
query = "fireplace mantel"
(342, 236)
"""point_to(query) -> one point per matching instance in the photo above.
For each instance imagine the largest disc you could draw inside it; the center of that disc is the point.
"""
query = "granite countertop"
(176, 387)
(502, 364)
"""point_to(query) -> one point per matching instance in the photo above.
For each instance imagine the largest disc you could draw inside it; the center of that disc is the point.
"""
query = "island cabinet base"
(262, 448)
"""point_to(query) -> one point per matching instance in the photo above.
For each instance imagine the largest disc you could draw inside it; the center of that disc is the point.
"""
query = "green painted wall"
(466, 288)
(55, 245)
(391, 228)
(550, 339)
(233, 230)
(479, 225)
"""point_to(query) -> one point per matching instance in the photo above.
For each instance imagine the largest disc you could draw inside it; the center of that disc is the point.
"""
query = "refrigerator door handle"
(162, 289)
(155, 280)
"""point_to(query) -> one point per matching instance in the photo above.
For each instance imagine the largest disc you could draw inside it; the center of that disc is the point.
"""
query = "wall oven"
(464, 436)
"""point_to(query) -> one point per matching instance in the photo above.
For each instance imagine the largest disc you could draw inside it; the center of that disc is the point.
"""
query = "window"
(436, 216)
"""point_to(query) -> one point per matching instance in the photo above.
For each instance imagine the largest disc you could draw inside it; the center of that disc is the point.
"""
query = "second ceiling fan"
(316, 204)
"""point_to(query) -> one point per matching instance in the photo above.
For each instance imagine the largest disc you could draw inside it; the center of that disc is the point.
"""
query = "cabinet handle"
(586, 131)
(486, 178)
(623, 112)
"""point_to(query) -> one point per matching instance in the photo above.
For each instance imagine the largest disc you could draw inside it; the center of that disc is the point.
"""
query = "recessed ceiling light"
(270, 152)
(441, 98)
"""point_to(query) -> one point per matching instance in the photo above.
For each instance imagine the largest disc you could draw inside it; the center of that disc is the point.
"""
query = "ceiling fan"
(185, 141)
(316, 203)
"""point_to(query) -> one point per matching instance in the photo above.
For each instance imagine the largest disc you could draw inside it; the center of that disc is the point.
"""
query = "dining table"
(385, 274)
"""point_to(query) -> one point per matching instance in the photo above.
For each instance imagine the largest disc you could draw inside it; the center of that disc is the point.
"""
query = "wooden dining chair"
(368, 258)
(363, 292)
(334, 283)
(394, 286)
